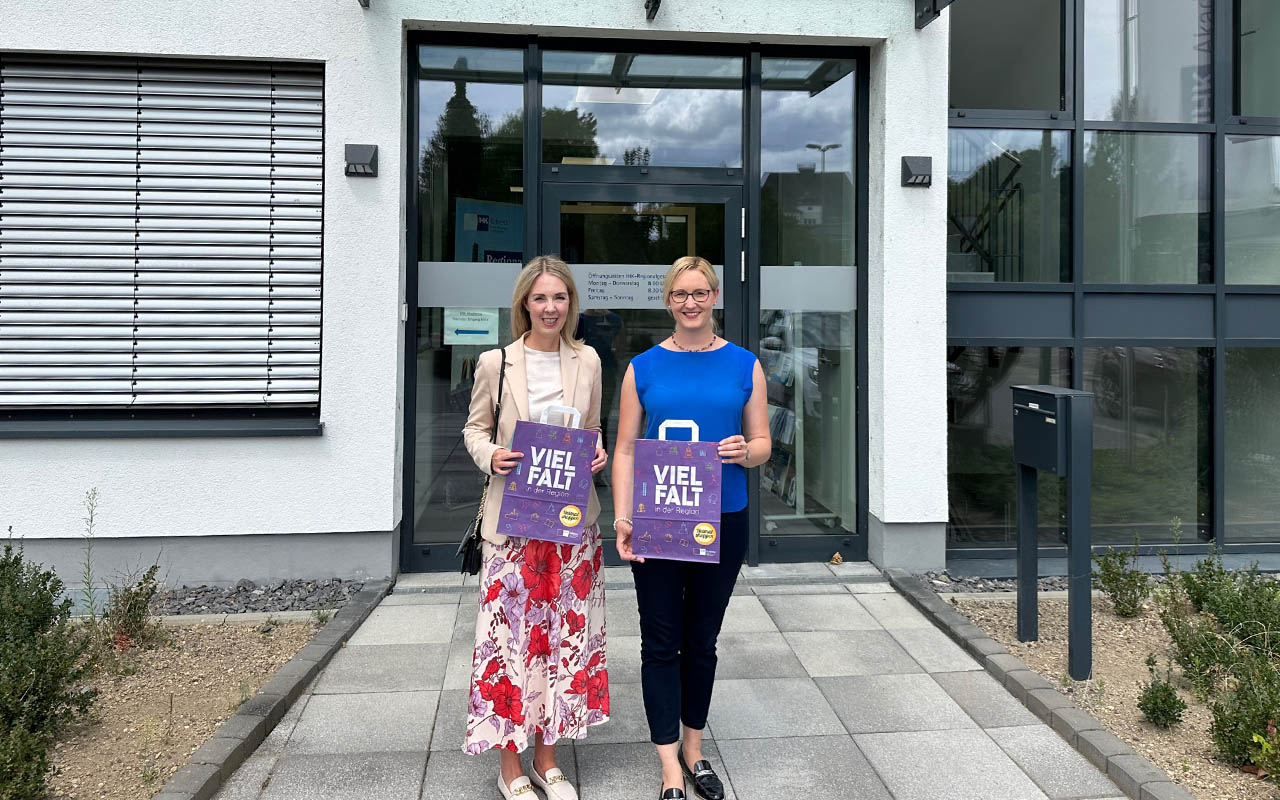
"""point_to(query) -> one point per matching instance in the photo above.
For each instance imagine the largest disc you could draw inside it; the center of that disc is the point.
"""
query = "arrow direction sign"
(471, 326)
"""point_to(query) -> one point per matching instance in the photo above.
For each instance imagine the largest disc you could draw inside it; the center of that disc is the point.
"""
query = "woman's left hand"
(600, 460)
(733, 450)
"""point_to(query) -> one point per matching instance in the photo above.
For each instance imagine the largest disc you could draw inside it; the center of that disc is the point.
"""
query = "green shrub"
(1205, 655)
(1159, 701)
(44, 659)
(1119, 577)
(1248, 606)
(128, 612)
(1208, 578)
(1248, 706)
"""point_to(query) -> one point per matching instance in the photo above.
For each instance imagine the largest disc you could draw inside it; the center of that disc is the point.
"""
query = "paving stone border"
(236, 739)
(1133, 774)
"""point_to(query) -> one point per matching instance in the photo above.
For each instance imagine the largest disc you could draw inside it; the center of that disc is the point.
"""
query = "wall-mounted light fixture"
(363, 3)
(362, 160)
(917, 171)
(651, 9)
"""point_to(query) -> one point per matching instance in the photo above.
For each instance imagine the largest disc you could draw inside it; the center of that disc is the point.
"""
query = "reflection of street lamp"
(823, 148)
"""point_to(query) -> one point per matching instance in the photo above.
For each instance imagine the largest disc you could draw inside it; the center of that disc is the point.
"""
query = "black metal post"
(1028, 556)
(1079, 536)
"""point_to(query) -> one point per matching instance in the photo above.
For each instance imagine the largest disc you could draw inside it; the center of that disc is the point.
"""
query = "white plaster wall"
(907, 301)
(348, 479)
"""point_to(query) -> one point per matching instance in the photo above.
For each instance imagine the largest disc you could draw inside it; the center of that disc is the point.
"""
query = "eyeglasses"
(699, 295)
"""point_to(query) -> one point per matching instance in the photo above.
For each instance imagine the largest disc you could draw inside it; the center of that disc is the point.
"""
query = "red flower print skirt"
(538, 668)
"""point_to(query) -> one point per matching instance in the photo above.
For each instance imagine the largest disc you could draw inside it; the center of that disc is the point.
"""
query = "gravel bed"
(246, 596)
(944, 583)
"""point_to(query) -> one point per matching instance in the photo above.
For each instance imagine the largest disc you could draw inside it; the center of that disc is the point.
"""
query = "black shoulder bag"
(469, 548)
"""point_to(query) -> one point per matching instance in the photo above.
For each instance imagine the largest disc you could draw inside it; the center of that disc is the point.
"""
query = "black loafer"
(705, 781)
(672, 794)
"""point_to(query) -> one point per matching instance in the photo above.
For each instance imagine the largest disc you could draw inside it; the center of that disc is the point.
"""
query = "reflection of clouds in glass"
(492, 100)
(563, 67)
(790, 120)
(1103, 31)
(681, 127)
(1151, 64)
(435, 58)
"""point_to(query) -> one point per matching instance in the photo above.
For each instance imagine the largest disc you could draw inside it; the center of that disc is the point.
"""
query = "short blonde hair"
(549, 265)
(682, 265)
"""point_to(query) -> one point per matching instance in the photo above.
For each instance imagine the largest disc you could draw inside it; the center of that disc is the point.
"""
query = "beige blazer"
(580, 377)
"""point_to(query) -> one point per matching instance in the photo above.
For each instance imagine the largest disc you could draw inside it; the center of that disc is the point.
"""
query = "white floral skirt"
(538, 668)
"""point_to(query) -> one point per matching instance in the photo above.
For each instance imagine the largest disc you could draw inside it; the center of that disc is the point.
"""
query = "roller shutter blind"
(160, 233)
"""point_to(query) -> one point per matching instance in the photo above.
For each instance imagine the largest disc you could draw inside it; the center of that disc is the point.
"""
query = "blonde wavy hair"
(549, 265)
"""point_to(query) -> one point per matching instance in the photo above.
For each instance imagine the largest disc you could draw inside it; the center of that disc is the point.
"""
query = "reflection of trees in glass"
(1253, 442)
(1007, 215)
(980, 470)
(1151, 440)
(1146, 216)
(469, 156)
(568, 132)
(465, 157)
(806, 218)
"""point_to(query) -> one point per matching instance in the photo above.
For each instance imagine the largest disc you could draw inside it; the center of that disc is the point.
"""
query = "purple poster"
(546, 494)
(676, 499)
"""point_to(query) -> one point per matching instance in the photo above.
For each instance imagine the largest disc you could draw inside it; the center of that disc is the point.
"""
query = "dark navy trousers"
(682, 605)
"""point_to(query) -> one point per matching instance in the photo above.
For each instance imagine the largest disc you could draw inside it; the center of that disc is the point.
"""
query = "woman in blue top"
(693, 374)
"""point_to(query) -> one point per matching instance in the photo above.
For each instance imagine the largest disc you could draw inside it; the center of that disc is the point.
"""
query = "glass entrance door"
(620, 239)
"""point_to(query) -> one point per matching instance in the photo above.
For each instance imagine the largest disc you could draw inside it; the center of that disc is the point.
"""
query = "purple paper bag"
(547, 492)
(676, 498)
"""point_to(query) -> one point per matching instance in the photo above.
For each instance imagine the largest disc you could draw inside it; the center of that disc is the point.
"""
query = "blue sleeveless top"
(711, 388)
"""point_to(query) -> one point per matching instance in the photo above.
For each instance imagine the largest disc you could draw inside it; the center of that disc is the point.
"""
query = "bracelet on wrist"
(623, 519)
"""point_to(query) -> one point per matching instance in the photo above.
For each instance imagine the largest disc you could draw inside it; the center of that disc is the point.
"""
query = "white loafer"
(520, 789)
(556, 785)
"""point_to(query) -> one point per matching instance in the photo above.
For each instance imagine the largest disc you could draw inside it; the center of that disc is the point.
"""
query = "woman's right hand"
(624, 542)
(505, 460)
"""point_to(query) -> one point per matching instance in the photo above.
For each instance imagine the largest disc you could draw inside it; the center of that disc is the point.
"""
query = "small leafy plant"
(1119, 577)
(128, 612)
(1266, 752)
(1159, 701)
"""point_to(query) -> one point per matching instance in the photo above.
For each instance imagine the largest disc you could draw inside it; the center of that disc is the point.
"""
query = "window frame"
(184, 417)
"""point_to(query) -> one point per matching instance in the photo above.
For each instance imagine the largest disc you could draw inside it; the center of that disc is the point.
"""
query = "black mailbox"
(1053, 432)
(1039, 440)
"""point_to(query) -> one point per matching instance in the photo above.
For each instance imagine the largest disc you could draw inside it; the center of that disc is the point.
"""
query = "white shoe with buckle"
(556, 785)
(520, 789)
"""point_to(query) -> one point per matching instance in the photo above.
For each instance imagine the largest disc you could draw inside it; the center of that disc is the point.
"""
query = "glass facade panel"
(643, 110)
(1008, 205)
(981, 477)
(1258, 58)
(1253, 444)
(808, 294)
(1146, 208)
(601, 240)
(1253, 209)
(471, 233)
(1151, 454)
(1006, 54)
(1148, 60)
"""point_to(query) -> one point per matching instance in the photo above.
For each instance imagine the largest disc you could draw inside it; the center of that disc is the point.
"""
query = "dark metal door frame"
(733, 282)
(542, 180)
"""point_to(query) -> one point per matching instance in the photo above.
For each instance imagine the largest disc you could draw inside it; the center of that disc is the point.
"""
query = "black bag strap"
(497, 406)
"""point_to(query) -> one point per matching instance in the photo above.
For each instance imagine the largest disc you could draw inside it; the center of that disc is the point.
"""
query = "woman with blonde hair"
(538, 669)
(691, 375)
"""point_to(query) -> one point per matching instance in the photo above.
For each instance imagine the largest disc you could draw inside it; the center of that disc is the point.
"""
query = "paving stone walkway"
(830, 685)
